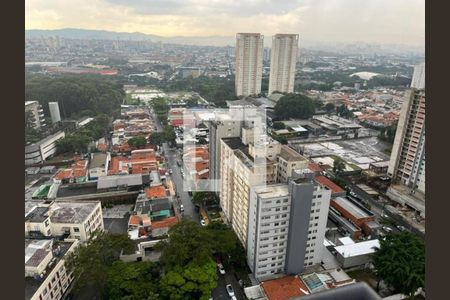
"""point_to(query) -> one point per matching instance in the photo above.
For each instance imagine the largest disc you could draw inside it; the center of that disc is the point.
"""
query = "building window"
(76, 229)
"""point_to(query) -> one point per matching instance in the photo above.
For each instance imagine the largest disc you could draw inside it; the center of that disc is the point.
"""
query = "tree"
(190, 281)
(344, 112)
(188, 242)
(138, 141)
(224, 240)
(169, 134)
(134, 280)
(278, 125)
(295, 106)
(400, 262)
(329, 107)
(338, 165)
(156, 138)
(205, 198)
(90, 263)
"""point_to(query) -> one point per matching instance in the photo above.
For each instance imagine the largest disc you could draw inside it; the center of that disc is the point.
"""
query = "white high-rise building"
(286, 227)
(283, 62)
(418, 79)
(249, 61)
(54, 112)
(407, 164)
(36, 113)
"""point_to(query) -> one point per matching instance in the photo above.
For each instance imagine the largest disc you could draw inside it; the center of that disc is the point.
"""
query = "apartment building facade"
(36, 113)
(287, 224)
(283, 63)
(75, 220)
(249, 61)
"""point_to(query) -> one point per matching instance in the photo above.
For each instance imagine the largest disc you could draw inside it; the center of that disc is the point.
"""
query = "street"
(170, 155)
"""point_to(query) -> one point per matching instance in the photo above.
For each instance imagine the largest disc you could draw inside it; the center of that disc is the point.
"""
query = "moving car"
(221, 269)
(230, 290)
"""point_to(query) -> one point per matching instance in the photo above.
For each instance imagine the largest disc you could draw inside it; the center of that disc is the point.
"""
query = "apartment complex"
(46, 277)
(75, 220)
(287, 224)
(282, 63)
(38, 152)
(249, 60)
(289, 160)
(36, 113)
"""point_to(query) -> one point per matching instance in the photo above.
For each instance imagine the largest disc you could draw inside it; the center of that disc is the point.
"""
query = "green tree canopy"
(138, 141)
(134, 280)
(75, 93)
(400, 262)
(205, 198)
(344, 112)
(188, 242)
(338, 165)
(329, 107)
(295, 106)
(90, 263)
(156, 138)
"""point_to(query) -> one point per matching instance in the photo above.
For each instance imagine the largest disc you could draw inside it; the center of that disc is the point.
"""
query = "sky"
(372, 21)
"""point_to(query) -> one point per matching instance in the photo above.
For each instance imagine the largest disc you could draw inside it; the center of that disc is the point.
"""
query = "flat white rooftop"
(356, 249)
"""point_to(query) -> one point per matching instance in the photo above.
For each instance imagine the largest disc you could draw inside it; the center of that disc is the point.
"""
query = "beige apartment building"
(249, 62)
(283, 63)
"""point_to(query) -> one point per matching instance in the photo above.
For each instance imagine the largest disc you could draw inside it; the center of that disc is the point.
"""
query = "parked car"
(387, 229)
(202, 222)
(230, 290)
(221, 269)
(170, 171)
(401, 228)
(181, 208)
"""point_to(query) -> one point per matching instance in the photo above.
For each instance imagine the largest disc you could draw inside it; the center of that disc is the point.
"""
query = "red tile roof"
(284, 288)
(314, 167)
(330, 184)
(167, 222)
(156, 192)
(63, 174)
(134, 220)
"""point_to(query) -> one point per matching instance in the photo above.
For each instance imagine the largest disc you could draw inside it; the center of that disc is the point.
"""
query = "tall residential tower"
(249, 61)
(282, 63)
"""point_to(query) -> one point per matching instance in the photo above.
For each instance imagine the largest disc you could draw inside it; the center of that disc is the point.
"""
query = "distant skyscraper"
(418, 80)
(266, 54)
(249, 59)
(407, 164)
(54, 112)
(282, 63)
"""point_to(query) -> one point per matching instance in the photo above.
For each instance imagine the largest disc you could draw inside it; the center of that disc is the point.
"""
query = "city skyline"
(399, 22)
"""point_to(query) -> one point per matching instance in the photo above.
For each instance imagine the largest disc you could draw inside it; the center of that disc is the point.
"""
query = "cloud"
(384, 21)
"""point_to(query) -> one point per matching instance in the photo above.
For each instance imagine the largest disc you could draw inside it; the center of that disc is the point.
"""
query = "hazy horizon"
(400, 22)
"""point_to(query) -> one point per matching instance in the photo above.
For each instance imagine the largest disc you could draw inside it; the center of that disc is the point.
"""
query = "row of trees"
(77, 95)
(79, 140)
(295, 106)
(186, 269)
(388, 134)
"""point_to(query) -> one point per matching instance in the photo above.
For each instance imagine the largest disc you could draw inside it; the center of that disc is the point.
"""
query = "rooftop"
(289, 154)
(167, 222)
(356, 249)
(72, 212)
(156, 192)
(352, 208)
(37, 215)
(98, 160)
(329, 184)
(284, 288)
(272, 191)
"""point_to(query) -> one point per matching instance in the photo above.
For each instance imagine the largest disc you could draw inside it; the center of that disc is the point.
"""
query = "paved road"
(171, 155)
(220, 292)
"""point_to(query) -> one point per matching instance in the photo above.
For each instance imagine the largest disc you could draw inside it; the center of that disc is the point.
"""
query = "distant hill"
(72, 33)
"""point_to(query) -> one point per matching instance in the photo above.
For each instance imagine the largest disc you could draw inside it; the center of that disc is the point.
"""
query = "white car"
(203, 223)
(230, 290)
(387, 229)
(181, 208)
(221, 269)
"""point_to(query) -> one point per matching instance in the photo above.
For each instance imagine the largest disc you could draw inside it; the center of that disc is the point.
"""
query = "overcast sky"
(380, 21)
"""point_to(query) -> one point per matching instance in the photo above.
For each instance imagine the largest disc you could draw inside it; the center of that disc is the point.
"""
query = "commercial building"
(54, 112)
(249, 60)
(46, 277)
(36, 113)
(75, 220)
(407, 164)
(356, 254)
(287, 224)
(38, 152)
(283, 63)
